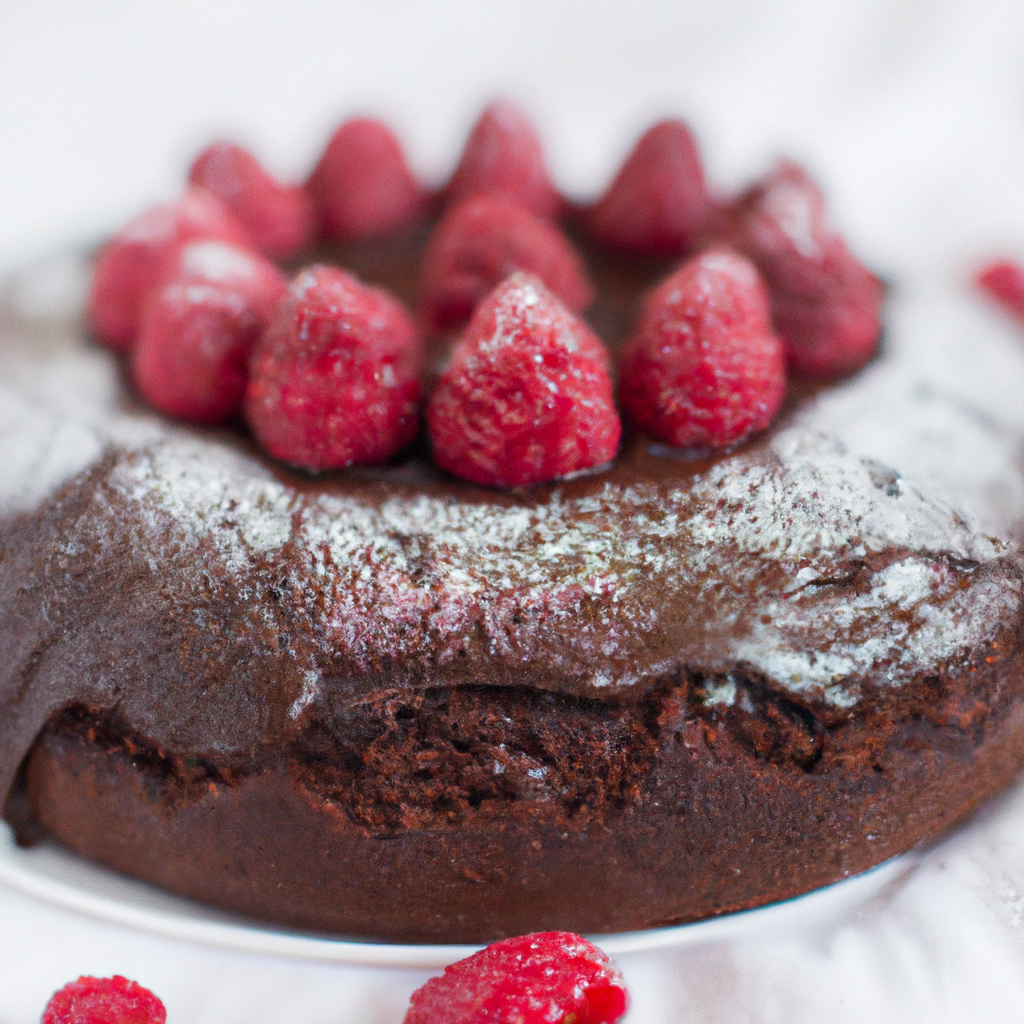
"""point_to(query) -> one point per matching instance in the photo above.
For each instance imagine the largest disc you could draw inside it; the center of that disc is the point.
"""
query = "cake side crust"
(722, 809)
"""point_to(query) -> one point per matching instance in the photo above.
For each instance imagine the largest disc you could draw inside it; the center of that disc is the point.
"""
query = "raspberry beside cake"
(386, 703)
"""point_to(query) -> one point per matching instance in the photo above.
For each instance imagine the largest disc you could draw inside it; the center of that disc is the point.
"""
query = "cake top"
(864, 540)
(216, 599)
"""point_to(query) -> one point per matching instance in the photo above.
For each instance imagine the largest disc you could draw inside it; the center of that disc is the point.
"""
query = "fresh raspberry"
(362, 185)
(104, 1001)
(545, 978)
(825, 303)
(527, 396)
(128, 266)
(503, 156)
(658, 201)
(333, 382)
(1004, 282)
(482, 240)
(703, 368)
(279, 218)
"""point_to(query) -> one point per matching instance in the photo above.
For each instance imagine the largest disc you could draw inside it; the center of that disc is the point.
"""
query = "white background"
(911, 113)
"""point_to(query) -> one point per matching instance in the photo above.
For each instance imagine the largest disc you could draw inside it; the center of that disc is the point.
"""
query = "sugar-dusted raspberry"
(503, 156)
(129, 264)
(199, 328)
(825, 303)
(333, 381)
(104, 1001)
(362, 185)
(481, 241)
(192, 356)
(527, 396)
(228, 267)
(703, 368)
(544, 978)
(1004, 282)
(279, 218)
(658, 201)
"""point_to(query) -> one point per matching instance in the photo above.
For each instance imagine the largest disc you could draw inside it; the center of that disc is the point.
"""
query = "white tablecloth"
(913, 115)
(943, 944)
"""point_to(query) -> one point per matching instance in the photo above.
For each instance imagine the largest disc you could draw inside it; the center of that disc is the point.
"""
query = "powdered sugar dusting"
(799, 213)
(943, 407)
(824, 501)
(817, 642)
(430, 572)
(202, 491)
(219, 262)
(310, 689)
(154, 225)
(61, 399)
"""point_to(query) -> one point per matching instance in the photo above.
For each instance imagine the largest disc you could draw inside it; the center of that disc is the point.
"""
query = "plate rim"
(185, 920)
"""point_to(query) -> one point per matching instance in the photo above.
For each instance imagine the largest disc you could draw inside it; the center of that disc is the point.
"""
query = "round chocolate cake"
(383, 703)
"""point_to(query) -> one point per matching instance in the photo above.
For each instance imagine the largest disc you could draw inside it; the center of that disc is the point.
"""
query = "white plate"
(55, 874)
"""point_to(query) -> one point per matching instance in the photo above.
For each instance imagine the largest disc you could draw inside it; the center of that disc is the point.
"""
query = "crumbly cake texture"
(385, 704)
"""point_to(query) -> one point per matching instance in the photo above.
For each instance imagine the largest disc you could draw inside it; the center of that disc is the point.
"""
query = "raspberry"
(1004, 282)
(703, 368)
(104, 1001)
(199, 328)
(658, 201)
(825, 304)
(503, 156)
(228, 267)
(279, 218)
(362, 185)
(192, 356)
(333, 380)
(128, 266)
(482, 240)
(545, 978)
(527, 396)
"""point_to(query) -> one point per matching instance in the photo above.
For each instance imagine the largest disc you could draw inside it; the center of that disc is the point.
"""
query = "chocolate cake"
(383, 703)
